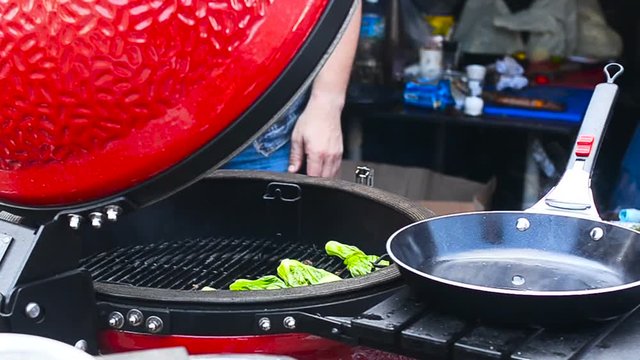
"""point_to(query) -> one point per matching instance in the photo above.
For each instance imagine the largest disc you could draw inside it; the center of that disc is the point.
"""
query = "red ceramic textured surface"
(297, 345)
(100, 95)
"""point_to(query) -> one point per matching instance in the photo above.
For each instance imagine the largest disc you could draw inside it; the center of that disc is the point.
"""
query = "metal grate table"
(404, 326)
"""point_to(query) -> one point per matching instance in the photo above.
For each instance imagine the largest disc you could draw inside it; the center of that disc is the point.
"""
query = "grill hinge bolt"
(154, 324)
(116, 320)
(113, 211)
(82, 345)
(96, 219)
(264, 324)
(596, 233)
(289, 322)
(74, 221)
(522, 224)
(32, 310)
(135, 317)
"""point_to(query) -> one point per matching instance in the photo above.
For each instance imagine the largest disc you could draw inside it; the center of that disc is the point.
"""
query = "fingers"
(331, 166)
(315, 163)
(333, 158)
(297, 153)
(329, 163)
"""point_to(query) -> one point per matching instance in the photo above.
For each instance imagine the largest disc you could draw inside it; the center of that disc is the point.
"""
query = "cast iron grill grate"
(195, 263)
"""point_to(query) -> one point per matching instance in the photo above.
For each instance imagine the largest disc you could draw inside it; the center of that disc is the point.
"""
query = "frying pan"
(554, 263)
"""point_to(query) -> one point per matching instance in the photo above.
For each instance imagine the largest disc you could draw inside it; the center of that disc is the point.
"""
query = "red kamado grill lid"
(103, 99)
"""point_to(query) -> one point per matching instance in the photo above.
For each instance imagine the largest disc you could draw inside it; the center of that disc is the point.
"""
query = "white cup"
(473, 106)
(476, 72)
(475, 77)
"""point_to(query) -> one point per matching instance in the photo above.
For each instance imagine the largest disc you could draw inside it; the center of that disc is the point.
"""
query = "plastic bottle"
(368, 67)
(431, 58)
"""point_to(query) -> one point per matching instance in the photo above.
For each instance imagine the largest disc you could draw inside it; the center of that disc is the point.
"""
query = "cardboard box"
(440, 193)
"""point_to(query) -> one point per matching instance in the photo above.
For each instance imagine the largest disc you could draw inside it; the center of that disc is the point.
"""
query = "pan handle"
(573, 193)
(595, 120)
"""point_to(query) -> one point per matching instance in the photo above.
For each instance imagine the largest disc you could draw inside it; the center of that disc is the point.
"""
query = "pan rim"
(499, 291)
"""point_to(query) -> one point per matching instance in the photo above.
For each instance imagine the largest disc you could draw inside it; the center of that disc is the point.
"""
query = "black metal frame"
(34, 270)
(403, 325)
(304, 65)
(235, 319)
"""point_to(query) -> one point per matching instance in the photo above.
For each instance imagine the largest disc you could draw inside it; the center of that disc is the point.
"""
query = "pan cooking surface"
(523, 269)
(195, 263)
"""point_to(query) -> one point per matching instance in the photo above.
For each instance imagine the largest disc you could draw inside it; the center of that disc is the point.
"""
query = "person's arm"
(318, 133)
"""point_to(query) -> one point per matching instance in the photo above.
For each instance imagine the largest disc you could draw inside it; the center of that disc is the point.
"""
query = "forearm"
(330, 85)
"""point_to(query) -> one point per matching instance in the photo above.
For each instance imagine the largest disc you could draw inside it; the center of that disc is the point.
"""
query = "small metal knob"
(289, 322)
(82, 345)
(522, 224)
(116, 320)
(96, 219)
(113, 211)
(135, 317)
(74, 221)
(32, 310)
(264, 324)
(154, 324)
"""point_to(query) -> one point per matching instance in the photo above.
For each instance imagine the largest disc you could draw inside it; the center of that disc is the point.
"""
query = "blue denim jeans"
(270, 151)
(252, 159)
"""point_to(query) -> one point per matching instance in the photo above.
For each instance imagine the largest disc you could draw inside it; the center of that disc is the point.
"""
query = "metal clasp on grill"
(364, 175)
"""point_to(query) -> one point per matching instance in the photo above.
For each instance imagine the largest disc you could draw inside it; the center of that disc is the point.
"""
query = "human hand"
(318, 133)
(318, 136)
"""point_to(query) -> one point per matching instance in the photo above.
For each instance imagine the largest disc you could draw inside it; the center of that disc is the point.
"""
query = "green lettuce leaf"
(294, 273)
(358, 263)
(269, 282)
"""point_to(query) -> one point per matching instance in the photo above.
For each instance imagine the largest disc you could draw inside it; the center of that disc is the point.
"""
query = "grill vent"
(194, 264)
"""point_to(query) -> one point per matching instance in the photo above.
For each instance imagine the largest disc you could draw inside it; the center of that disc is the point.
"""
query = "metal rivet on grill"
(82, 345)
(96, 219)
(154, 324)
(74, 221)
(289, 322)
(113, 211)
(518, 280)
(522, 224)
(32, 310)
(596, 233)
(335, 331)
(135, 317)
(264, 324)
(116, 320)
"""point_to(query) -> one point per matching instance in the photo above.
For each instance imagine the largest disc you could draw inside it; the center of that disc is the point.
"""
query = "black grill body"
(233, 225)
